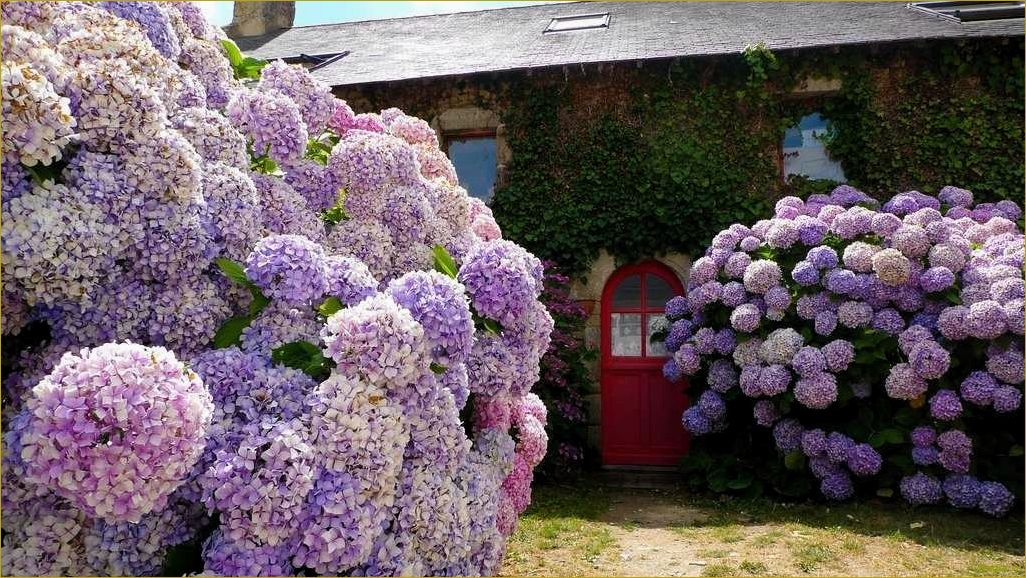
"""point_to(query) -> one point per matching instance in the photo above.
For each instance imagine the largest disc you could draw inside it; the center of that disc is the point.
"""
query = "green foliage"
(243, 67)
(305, 357)
(330, 306)
(696, 148)
(230, 333)
(444, 263)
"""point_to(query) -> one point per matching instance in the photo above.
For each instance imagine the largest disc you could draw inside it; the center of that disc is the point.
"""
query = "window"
(637, 310)
(972, 11)
(804, 153)
(580, 22)
(473, 153)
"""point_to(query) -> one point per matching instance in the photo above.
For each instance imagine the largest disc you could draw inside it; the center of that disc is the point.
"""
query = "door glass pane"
(628, 294)
(626, 334)
(654, 349)
(657, 292)
(475, 161)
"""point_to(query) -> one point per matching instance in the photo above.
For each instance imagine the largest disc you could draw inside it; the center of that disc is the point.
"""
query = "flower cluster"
(837, 299)
(227, 331)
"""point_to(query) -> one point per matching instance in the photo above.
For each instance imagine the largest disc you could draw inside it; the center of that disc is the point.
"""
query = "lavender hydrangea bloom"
(838, 446)
(978, 388)
(722, 375)
(884, 224)
(154, 439)
(863, 460)
(945, 405)
(745, 318)
(985, 320)
(696, 422)
(765, 413)
(963, 491)
(687, 358)
(273, 122)
(825, 323)
(924, 456)
(838, 355)
(936, 279)
(816, 391)
(774, 379)
(679, 332)
(814, 443)
(837, 487)
(290, 268)
(441, 307)
(929, 359)
(676, 308)
(1007, 399)
(787, 434)
(995, 499)
(502, 279)
(761, 275)
(921, 489)
(923, 436)
(1006, 365)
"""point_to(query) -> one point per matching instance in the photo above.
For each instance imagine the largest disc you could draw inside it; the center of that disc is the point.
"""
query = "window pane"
(804, 153)
(628, 293)
(626, 334)
(657, 292)
(655, 349)
(474, 159)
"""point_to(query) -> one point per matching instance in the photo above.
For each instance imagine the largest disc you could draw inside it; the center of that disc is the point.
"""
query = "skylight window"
(579, 22)
(972, 11)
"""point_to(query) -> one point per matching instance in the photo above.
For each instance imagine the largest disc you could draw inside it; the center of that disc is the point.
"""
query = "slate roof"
(512, 38)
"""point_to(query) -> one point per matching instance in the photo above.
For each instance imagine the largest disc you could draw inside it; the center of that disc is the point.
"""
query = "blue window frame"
(804, 153)
(474, 155)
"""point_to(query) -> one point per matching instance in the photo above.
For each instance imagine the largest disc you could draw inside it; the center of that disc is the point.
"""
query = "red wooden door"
(641, 410)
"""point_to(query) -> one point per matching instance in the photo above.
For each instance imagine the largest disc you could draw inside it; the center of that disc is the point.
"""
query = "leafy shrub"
(879, 348)
(247, 331)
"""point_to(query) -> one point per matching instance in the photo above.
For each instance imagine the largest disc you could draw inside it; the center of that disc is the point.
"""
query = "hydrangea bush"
(879, 347)
(248, 331)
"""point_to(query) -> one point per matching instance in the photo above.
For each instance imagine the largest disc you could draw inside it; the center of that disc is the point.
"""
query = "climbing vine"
(696, 146)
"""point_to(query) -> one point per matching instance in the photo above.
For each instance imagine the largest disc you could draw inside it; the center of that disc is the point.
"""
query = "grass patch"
(569, 531)
(560, 533)
(718, 570)
(752, 568)
(809, 557)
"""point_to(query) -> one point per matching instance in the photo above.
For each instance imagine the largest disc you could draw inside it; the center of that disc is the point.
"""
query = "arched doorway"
(640, 409)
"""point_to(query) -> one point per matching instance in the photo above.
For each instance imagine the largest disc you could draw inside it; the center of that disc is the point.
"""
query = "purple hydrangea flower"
(963, 491)
(929, 359)
(825, 323)
(774, 379)
(837, 487)
(745, 318)
(822, 257)
(765, 413)
(711, 405)
(838, 446)
(290, 268)
(863, 460)
(816, 391)
(945, 405)
(805, 274)
(761, 275)
(936, 279)
(978, 388)
(814, 443)
(1007, 399)
(923, 436)
(995, 499)
(924, 456)
(695, 421)
(787, 434)
(921, 489)
(722, 375)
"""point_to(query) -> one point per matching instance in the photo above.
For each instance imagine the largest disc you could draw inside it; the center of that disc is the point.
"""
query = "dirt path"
(639, 523)
(628, 532)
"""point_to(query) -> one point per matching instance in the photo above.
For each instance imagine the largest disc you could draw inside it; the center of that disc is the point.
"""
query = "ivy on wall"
(696, 148)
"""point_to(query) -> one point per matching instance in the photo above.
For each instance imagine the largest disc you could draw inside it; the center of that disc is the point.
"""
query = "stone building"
(462, 73)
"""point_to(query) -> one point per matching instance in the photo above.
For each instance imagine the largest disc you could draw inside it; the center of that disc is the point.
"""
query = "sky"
(308, 13)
